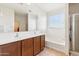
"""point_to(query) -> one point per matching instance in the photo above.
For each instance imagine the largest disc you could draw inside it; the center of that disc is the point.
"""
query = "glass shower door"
(75, 32)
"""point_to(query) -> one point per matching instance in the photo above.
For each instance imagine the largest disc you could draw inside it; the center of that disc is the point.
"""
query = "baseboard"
(55, 46)
(74, 53)
(56, 50)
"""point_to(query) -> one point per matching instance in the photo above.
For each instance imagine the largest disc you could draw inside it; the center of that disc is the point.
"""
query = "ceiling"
(47, 7)
(15, 6)
(23, 7)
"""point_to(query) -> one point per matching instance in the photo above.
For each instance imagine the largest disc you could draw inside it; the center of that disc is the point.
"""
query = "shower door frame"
(73, 31)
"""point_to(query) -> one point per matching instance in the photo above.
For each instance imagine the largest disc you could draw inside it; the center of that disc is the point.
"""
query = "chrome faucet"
(16, 35)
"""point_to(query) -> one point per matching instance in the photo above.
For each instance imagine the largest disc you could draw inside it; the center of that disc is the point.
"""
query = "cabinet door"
(36, 45)
(27, 47)
(0, 51)
(42, 42)
(10, 49)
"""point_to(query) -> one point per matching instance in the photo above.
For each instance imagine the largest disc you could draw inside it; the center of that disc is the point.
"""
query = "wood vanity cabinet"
(27, 47)
(0, 50)
(37, 45)
(11, 49)
(33, 46)
(42, 42)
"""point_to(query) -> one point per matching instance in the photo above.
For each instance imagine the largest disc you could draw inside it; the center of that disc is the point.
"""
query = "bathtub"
(60, 46)
(55, 38)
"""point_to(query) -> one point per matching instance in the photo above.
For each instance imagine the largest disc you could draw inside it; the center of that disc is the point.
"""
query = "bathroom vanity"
(22, 44)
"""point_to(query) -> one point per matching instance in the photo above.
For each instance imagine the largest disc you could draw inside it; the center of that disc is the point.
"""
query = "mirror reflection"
(20, 23)
(18, 19)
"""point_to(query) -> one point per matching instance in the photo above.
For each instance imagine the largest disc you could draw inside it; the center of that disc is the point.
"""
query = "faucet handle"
(34, 32)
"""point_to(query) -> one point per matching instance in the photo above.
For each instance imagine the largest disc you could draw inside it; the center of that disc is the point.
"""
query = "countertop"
(17, 36)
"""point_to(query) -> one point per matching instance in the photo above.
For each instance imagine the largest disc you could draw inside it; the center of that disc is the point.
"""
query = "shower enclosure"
(74, 34)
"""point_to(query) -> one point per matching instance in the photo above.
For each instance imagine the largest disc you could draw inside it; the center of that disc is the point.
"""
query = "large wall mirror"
(16, 20)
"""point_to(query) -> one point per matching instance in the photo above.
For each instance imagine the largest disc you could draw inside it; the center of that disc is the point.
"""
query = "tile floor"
(51, 52)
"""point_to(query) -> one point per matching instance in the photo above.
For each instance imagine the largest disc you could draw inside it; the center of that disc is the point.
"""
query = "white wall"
(42, 22)
(56, 34)
(6, 19)
(59, 36)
